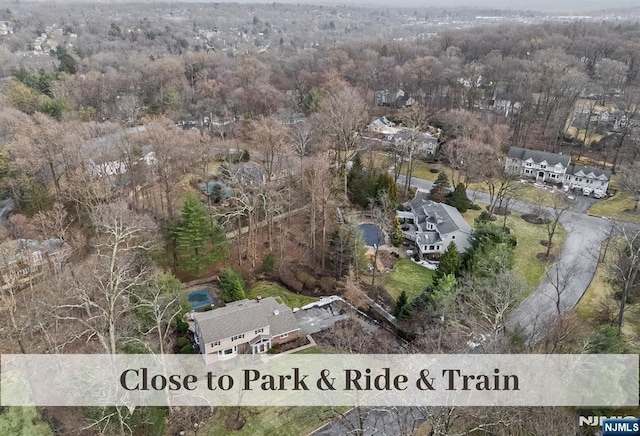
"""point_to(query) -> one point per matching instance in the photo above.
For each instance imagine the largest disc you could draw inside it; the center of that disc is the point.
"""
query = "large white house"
(557, 168)
(433, 226)
(245, 327)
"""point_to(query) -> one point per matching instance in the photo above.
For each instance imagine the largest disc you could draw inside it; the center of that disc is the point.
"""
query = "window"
(542, 166)
(453, 236)
(228, 351)
(215, 343)
(235, 338)
(527, 171)
(284, 336)
(528, 164)
(553, 176)
(259, 331)
(431, 248)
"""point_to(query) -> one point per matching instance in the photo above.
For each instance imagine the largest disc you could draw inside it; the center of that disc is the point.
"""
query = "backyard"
(409, 277)
(270, 289)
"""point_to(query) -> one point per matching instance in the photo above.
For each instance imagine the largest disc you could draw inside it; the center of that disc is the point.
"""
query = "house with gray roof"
(540, 165)
(557, 168)
(245, 327)
(433, 226)
(588, 179)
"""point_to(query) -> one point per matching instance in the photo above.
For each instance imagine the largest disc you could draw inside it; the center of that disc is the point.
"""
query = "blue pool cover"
(200, 299)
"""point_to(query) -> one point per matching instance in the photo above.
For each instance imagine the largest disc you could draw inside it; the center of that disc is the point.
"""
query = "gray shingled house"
(557, 168)
(433, 226)
(541, 165)
(245, 327)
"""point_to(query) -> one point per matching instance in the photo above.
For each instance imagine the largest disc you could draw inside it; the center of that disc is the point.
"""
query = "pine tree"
(440, 188)
(450, 262)
(459, 199)
(198, 242)
(401, 303)
(396, 232)
(232, 286)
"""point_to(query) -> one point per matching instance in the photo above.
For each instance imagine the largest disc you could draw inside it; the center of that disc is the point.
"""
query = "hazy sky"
(552, 5)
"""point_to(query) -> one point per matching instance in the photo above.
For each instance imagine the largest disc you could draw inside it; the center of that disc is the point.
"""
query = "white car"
(599, 194)
(586, 191)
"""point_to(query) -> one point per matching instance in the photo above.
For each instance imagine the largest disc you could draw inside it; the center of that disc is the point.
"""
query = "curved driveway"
(572, 274)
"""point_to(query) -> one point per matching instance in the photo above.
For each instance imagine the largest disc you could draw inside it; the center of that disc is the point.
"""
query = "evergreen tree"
(232, 286)
(440, 188)
(450, 262)
(459, 199)
(198, 242)
(402, 302)
(396, 232)
(386, 183)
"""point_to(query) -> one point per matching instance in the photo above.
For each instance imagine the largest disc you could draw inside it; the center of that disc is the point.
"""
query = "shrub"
(271, 351)
(291, 282)
(269, 262)
(327, 284)
(182, 341)
(434, 170)
(475, 206)
(307, 280)
(187, 349)
(181, 326)
(416, 256)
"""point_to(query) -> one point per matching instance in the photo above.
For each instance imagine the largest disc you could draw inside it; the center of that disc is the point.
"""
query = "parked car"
(599, 194)
(586, 191)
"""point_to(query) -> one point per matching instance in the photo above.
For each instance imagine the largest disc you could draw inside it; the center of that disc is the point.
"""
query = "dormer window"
(528, 164)
(542, 166)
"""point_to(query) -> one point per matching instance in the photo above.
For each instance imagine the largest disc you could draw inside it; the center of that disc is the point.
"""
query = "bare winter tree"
(343, 115)
(555, 210)
(624, 268)
(99, 298)
(490, 299)
(630, 181)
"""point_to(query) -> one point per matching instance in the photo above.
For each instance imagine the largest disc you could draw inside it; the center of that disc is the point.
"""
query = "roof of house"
(446, 218)
(243, 316)
(378, 122)
(575, 169)
(538, 156)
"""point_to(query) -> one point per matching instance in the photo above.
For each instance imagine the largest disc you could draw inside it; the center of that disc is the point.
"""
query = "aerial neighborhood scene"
(222, 179)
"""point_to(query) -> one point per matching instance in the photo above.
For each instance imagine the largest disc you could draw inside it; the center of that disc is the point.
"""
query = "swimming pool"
(199, 299)
(372, 234)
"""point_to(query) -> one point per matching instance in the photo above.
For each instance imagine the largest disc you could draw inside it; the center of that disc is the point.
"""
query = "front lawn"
(619, 207)
(271, 289)
(529, 237)
(268, 421)
(409, 277)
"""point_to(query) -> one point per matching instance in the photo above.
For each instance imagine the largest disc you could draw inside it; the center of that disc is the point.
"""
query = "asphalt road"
(568, 279)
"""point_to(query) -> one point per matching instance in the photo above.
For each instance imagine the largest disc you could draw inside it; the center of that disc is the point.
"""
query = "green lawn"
(268, 421)
(619, 207)
(529, 237)
(271, 289)
(409, 277)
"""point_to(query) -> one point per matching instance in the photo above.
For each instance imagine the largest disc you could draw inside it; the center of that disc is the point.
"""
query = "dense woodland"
(111, 126)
